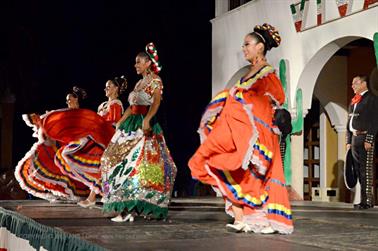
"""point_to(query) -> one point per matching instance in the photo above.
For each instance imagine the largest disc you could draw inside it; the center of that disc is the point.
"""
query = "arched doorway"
(331, 71)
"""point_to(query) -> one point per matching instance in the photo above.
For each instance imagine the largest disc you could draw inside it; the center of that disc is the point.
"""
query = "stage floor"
(199, 224)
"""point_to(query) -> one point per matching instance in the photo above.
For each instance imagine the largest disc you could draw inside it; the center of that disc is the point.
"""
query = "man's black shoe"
(356, 206)
(364, 206)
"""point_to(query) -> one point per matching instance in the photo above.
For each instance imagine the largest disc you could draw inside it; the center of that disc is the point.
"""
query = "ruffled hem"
(44, 192)
(258, 221)
(141, 207)
(281, 228)
(79, 166)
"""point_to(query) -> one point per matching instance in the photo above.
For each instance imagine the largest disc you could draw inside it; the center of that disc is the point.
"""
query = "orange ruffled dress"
(65, 162)
(240, 155)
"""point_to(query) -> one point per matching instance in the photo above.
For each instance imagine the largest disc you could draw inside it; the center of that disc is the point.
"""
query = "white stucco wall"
(331, 90)
(307, 51)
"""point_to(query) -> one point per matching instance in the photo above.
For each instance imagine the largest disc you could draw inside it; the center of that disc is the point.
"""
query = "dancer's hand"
(368, 146)
(146, 127)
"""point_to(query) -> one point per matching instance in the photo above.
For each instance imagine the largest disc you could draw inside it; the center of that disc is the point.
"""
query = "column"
(341, 151)
(221, 7)
(323, 150)
(297, 159)
(297, 164)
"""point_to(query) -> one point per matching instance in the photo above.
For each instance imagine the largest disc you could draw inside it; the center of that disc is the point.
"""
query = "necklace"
(142, 83)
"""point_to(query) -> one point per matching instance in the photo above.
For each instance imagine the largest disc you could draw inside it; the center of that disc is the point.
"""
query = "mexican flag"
(319, 11)
(370, 3)
(344, 6)
(297, 13)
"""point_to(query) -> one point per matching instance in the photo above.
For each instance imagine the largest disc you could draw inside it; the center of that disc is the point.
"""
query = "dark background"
(46, 47)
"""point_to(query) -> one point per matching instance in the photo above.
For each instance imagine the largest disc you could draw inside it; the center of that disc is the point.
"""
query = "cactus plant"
(297, 122)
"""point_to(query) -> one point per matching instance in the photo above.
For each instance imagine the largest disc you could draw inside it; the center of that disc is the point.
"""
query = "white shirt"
(351, 119)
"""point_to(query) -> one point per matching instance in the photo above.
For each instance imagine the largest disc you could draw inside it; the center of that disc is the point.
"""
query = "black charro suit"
(365, 122)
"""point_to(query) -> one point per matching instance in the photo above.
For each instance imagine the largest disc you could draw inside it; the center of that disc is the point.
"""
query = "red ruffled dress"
(65, 162)
(111, 111)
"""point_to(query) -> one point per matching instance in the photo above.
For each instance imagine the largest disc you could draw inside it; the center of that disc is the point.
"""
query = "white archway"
(337, 114)
(326, 77)
(310, 74)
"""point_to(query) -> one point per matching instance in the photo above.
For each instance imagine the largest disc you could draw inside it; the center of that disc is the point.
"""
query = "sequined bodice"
(144, 89)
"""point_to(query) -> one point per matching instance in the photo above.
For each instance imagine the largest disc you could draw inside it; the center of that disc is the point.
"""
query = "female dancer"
(240, 154)
(111, 111)
(137, 170)
(74, 97)
(37, 172)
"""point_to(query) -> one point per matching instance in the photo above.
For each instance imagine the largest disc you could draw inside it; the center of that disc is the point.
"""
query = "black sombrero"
(350, 172)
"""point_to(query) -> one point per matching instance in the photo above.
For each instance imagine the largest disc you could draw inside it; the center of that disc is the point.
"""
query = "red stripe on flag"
(319, 19)
(298, 26)
(369, 2)
(343, 9)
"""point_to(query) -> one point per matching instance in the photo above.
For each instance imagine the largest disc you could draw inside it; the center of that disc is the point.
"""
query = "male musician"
(362, 128)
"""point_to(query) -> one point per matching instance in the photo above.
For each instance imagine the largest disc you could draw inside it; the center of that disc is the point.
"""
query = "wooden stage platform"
(199, 224)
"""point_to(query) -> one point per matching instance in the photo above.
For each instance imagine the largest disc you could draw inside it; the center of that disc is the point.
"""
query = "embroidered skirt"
(138, 172)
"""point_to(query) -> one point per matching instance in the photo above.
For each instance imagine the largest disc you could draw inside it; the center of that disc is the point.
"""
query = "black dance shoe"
(364, 206)
(356, 206)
